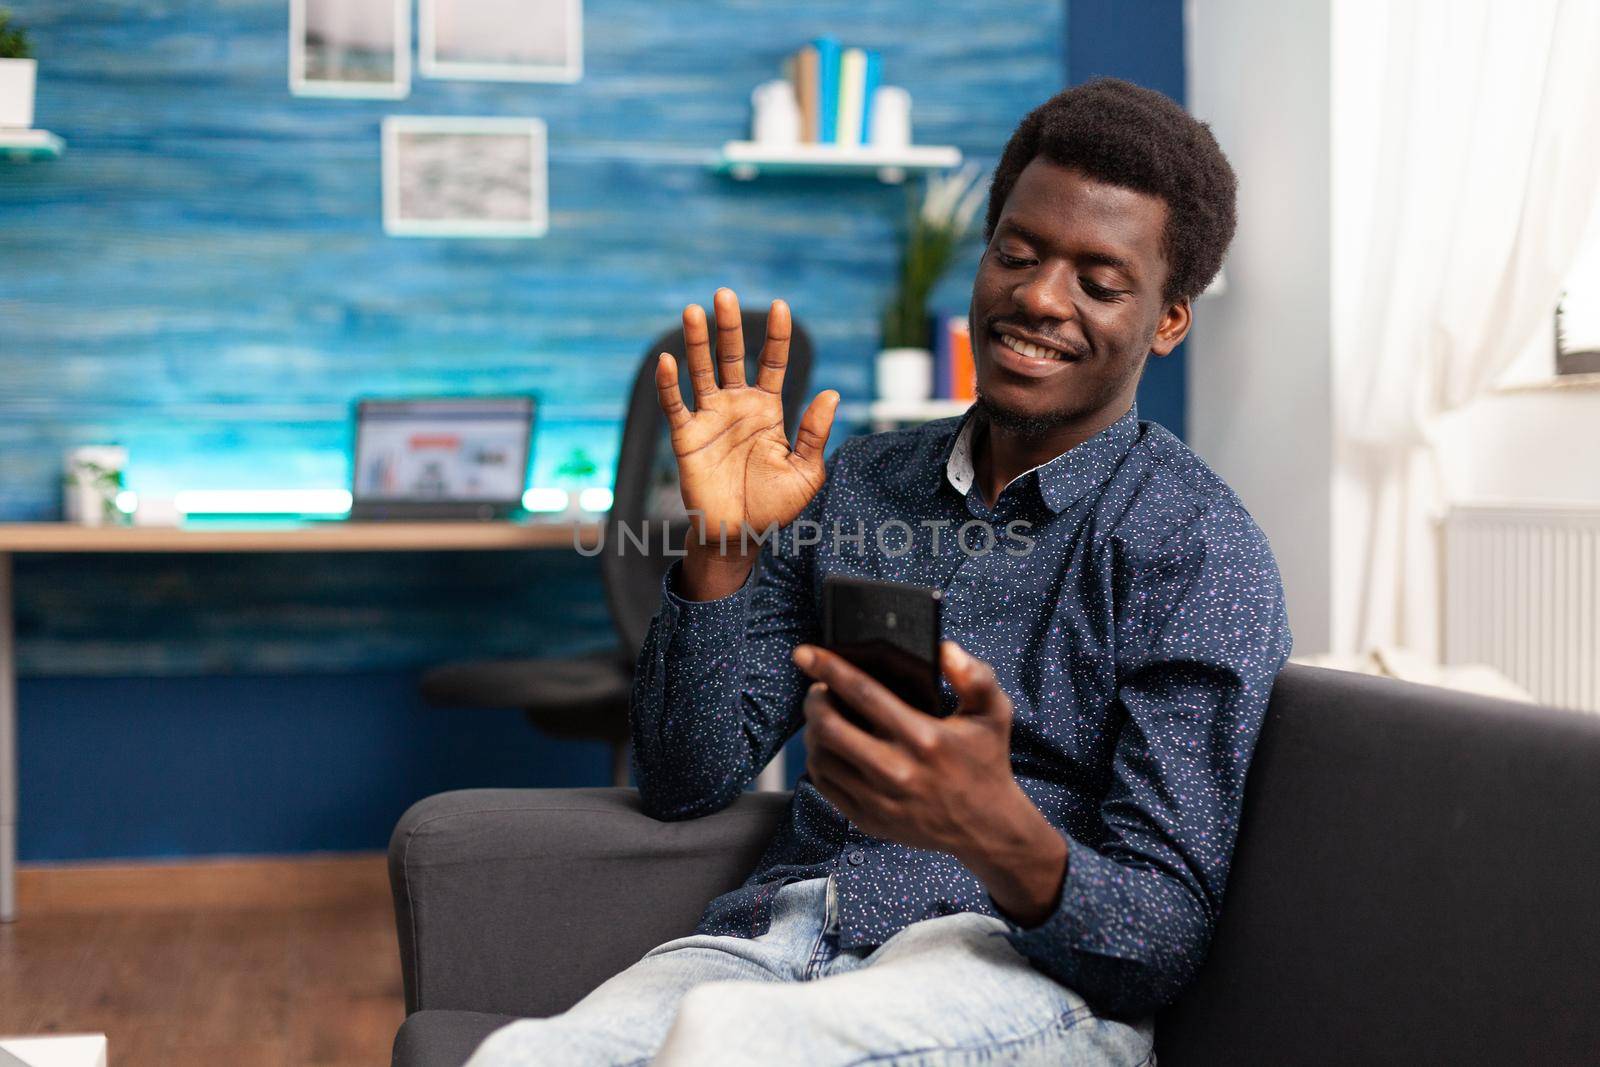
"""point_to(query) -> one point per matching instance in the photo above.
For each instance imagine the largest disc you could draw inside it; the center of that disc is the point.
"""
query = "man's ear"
(1172, 328)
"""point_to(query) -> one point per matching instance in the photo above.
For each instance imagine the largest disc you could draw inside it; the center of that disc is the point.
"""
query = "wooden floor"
(280, 962)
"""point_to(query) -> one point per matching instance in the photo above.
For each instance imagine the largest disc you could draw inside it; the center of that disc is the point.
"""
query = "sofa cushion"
(1415, 882)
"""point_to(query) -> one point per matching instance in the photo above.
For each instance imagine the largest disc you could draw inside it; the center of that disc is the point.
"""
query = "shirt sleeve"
(1202, 632)
(715, 693)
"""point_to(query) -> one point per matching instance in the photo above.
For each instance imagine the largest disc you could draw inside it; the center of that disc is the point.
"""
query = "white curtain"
(1466, 162)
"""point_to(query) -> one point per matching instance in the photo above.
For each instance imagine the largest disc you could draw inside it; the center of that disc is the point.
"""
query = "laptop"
(441, 457)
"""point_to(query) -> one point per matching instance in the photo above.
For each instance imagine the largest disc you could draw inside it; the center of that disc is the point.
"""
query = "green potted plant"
(18, 70)
(936, 226)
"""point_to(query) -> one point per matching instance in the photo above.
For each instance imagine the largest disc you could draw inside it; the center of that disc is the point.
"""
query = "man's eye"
(1098, 291)
(1010, 261)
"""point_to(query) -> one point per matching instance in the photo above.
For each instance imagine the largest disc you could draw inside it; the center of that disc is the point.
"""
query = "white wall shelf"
(746, 160)
(887, 414)
(23, 145)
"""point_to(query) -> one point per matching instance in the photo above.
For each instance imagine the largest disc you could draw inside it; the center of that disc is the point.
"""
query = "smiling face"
(1068, 303)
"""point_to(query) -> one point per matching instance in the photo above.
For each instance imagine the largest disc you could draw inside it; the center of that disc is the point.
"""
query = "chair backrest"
(1414, 883)
(646, 487)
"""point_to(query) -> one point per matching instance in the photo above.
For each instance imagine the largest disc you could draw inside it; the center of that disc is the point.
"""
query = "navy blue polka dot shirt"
(1130, 608)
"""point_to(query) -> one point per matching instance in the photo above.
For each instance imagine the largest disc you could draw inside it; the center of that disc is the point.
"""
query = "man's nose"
(1046, 294)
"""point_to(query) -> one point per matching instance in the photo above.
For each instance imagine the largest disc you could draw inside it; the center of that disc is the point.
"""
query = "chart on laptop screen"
(447, 449)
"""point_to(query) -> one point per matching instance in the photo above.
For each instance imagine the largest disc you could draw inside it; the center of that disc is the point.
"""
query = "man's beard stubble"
(1021, 424)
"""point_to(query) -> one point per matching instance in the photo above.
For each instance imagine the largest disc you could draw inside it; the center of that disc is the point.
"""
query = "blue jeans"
(943, 991)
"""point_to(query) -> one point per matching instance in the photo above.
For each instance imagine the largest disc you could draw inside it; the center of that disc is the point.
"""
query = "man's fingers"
(815, 425)
(869, 698)
(973, 680)
(730, 338)
(839, 782)
(775, 353)
(874, 759)
(667, 391)
(697, 344)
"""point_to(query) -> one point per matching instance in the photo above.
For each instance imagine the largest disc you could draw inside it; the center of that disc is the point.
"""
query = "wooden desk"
(298, 537)
(285, 537)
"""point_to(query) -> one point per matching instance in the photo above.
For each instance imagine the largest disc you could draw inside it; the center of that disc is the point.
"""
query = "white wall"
(1534, 443)
(1259, 407)
(1531, 446)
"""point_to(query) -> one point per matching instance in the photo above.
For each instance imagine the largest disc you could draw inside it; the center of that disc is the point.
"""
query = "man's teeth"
(1028, 348)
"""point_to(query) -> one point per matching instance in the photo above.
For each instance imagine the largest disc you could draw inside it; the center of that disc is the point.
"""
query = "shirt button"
(857, 858)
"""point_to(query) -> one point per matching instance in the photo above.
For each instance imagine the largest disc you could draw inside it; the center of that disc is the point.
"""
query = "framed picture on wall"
(464, 177)
(501, 40)
(358, 48)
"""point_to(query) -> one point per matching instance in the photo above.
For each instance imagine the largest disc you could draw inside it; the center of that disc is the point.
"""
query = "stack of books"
(954, 375)
(835, 87)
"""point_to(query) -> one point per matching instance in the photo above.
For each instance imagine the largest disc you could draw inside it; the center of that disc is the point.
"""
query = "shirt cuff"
(705, 621)
(1078, 921)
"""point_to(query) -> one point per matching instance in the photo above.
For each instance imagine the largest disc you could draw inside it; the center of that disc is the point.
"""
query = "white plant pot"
(16, 92)
(88, 495)
(905, 374)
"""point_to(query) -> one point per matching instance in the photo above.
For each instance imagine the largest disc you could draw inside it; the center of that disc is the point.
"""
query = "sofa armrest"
(520, 901)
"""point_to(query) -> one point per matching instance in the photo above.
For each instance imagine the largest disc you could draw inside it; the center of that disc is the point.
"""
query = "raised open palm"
(734, 462)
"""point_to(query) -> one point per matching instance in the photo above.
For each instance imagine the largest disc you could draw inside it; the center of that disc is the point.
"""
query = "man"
(1028, 879)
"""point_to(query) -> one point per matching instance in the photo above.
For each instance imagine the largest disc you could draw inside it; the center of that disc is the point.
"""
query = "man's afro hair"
(1119, 133)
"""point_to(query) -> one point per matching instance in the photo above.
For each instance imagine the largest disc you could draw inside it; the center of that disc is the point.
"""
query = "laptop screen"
(442, 450)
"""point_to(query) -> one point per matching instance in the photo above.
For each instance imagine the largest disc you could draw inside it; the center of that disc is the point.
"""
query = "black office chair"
(586, 698)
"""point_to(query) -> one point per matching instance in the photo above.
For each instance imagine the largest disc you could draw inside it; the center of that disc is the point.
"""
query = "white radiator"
(1522, 594)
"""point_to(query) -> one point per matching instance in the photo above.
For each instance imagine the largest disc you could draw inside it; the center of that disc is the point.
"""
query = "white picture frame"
(370, 28)
(453, 176)
(500, 40)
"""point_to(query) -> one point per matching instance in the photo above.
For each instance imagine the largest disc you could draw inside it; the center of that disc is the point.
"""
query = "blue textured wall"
(1142, 41)
(203, 277)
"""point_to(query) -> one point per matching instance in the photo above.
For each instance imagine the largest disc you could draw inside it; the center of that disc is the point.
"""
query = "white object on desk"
(56, 1050)
(93, 479)
(156, 511)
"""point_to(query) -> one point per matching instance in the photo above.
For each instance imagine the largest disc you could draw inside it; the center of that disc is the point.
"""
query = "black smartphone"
(889, 630)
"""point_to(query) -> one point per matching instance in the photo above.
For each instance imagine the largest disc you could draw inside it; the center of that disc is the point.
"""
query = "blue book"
(874, 76)
(827, 89)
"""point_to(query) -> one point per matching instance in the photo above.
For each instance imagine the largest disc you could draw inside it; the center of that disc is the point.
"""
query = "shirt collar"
(1063, 481)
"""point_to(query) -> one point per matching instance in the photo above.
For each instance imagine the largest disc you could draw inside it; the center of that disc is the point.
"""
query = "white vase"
(891, 118)
(93, 479)
(16, 92)
(776, 119)
(905, 374)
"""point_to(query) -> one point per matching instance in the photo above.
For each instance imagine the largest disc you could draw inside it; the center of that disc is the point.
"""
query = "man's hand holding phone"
(936, 783)
(735, 467)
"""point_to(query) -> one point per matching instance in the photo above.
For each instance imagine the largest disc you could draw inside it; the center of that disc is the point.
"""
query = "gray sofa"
(1417, 881)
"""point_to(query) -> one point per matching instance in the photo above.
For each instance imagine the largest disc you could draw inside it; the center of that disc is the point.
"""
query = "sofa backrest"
(1417, 880)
